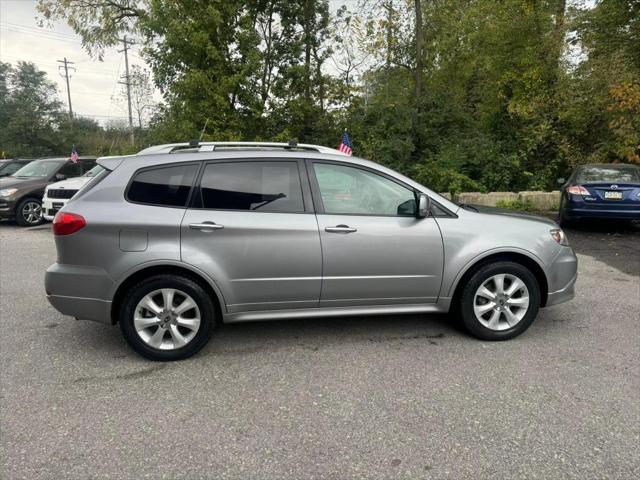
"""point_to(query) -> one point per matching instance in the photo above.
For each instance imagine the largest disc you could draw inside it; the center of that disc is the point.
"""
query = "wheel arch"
(531, 263)
(175, 268)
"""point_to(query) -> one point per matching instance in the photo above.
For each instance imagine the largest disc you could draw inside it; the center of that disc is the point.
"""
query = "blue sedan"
(606, 191)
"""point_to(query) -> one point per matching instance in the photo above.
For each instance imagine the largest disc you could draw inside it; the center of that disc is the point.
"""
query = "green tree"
(29, 111)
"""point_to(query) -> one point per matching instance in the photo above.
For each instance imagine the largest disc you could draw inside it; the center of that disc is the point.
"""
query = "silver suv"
(178, 238)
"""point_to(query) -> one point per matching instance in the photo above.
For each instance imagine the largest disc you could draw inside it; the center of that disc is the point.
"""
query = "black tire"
(21, 219)
(192, 288)
(467, 299)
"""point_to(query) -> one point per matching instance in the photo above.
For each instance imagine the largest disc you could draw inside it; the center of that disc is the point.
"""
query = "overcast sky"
(92, 85)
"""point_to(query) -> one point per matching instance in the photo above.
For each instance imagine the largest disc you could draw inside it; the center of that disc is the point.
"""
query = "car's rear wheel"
(167, 317)
(29, 212)
(500, 301)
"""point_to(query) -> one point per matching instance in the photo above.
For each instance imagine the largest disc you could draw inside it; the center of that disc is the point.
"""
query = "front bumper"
(79, 291)
(48, 208)
(562, 276)
(7, 208)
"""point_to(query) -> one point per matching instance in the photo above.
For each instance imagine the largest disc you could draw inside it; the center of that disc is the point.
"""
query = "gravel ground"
(386, 397)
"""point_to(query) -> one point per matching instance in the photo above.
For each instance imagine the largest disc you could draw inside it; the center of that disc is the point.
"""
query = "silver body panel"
(281, 265)
(261, 261)
(387, 260)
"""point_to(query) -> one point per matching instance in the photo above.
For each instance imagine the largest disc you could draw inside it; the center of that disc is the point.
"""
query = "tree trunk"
(389, 8)
(419, 41)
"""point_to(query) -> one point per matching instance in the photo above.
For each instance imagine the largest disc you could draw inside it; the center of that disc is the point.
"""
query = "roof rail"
(211, 146)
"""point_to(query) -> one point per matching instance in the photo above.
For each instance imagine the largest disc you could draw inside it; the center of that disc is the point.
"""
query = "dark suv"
(21, 193)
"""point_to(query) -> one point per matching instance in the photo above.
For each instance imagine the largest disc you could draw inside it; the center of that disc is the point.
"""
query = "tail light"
(578, 190)
(66, 223)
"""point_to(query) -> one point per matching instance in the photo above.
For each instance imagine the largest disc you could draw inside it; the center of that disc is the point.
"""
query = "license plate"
(57, 205)
(613, 195)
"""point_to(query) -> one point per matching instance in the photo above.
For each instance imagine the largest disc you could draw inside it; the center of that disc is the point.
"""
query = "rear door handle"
(340, 229)
(205, 226)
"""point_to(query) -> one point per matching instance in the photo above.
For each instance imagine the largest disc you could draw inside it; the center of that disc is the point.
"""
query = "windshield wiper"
(466, 206)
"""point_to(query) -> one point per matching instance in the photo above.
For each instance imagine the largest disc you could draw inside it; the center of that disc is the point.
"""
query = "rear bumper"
(82, 308)
(578, 213)
(562, 276)
(79, 291)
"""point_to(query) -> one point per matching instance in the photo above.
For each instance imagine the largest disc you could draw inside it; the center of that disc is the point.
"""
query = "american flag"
(345, 146)
(74, 154)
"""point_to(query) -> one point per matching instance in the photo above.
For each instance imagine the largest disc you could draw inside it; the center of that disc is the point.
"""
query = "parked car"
(21, 193)
(175, 239)
(601, 191)
(58, 194)
(10, 166)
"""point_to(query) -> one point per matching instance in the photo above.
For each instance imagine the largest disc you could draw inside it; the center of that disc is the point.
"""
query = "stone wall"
(542, 201)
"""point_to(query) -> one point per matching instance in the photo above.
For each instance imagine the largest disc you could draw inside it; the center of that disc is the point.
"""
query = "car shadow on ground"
(615, 243)
(313, 334)
(316, 333)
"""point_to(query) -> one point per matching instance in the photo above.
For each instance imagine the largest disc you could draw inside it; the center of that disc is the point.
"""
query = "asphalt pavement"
(383, 397)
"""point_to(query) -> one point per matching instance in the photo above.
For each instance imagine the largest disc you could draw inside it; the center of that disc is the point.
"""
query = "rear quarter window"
(164, 186)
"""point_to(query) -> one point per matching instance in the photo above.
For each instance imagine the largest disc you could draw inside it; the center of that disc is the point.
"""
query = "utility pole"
(127, 82)
(65, 65)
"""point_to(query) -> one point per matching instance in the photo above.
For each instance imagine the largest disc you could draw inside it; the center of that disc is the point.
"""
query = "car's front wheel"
(500, 301)
(29, 212)
(167, 317)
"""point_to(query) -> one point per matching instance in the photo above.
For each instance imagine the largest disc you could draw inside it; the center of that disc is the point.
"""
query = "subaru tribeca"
(181, 237)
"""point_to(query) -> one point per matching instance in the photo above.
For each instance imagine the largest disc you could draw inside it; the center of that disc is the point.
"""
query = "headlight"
(7, 192)
(559, 236)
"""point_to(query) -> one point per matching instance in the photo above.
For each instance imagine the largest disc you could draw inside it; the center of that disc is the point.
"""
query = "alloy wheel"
(501, 302)
(32, 212)
(167, 319)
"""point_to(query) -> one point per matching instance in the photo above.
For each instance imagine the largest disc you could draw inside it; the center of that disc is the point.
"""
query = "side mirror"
(60, 176)
(561, 180)
(423, 206)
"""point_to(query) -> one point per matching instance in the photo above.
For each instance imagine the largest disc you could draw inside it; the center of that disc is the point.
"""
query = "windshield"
(39, 169)
(608, 174)
(94, 171)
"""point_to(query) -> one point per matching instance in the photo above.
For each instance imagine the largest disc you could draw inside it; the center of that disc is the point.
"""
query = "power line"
(41, 34)
(66, 67)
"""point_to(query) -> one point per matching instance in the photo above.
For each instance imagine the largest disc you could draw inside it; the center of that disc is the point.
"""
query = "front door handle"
(340, 229)
(205, 226)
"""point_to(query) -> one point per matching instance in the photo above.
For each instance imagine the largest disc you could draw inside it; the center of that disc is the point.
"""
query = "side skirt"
(442, 306)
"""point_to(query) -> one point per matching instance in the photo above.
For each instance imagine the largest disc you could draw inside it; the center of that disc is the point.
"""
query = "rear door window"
(166, 186)
(71, 170)
(261, 186)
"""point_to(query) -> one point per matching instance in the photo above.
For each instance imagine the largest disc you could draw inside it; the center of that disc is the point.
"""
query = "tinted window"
(261, 186)
(87, 165)
(608, 174)
(348, 190)
(168, 186)
(71, 170)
